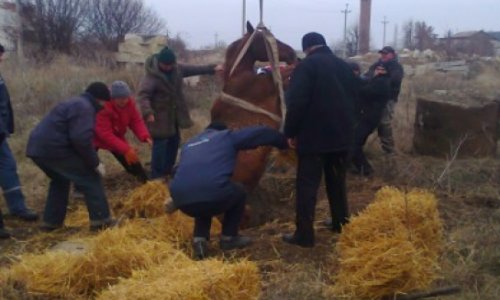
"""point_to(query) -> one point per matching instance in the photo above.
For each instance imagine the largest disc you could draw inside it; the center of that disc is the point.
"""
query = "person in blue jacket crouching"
(202, 185)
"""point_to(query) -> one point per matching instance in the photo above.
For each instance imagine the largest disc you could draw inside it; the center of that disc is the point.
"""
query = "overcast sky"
(201, 22)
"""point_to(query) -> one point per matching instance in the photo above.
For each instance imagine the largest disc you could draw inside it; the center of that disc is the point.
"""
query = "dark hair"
(99, 90)
(217, 125)
(2, 49)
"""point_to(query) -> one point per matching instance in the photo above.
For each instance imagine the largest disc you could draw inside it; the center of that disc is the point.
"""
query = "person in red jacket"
(112, 123)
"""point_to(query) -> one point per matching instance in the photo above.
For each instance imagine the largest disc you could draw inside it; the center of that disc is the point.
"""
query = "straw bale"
(391, 247)
(111, 255)
(173, 279)
(114, 253)
(148, 200)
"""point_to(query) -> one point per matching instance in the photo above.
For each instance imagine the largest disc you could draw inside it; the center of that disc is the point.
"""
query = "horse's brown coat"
(259, 90)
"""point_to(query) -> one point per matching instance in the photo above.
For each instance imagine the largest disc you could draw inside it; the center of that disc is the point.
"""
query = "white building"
(10, 25)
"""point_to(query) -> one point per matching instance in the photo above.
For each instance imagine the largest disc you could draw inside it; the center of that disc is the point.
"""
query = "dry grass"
(469, 195)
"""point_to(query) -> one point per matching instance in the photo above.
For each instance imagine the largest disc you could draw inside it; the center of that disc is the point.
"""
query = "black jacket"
(320, 104)
(207, 162)
(396, 73)
(6, 116)
(67, 131)
(374, 95)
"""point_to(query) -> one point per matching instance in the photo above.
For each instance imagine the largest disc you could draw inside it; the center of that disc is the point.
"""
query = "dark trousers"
(61, 173)
(134, 169)
(363, 131)
(163, 156)
(9, 180)
(385, 128)
(232, 206)
(309, 172)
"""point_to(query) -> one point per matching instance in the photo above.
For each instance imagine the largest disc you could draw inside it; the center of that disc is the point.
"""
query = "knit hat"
(99, 90)
(119, 89)
(166, 56)
(312, 39)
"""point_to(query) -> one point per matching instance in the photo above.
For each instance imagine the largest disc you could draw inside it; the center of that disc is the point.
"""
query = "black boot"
(294, 239)
(26, 215)
(4, 234)
(234, 242)
(200, 248)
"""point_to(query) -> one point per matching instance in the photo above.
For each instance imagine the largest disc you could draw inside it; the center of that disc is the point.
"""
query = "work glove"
(131, 157)
(100, 169)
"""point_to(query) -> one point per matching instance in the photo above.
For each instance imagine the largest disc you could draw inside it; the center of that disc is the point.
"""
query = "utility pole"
(345, 12)
(396, 37)
(364, 26)
(216, 41)
(385, 22)
(244, 18)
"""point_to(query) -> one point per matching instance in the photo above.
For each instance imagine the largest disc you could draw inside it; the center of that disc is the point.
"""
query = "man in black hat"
(163, 106)
(389, 60)
(319, 124)
(61, 146)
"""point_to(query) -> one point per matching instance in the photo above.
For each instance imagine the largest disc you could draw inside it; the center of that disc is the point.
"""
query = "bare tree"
(352, 40)
(53, 24)
(424, 36)
(418, 35)
(408, 41)
(110, 20)
(178, 45)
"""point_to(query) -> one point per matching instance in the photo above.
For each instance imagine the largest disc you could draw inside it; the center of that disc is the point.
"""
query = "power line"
(385, 22)
(346, 11)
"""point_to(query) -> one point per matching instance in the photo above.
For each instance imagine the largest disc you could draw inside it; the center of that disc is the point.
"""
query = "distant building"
(472, 43)
(495, 41)
(10, 25)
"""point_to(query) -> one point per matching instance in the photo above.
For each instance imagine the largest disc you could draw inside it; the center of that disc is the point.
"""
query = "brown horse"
(260, 91)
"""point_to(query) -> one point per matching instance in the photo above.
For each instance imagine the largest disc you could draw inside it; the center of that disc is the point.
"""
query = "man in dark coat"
(61, 145)
(164, 108)
(9, 180)
(319, 124)
(202, 185)
(390, 61)
(373, 96)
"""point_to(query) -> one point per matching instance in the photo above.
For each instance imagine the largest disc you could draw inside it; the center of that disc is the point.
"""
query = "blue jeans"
(9, 180)
(61, 173)
(164, 154)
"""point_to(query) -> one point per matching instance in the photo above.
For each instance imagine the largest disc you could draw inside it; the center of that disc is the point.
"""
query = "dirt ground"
(472, 226)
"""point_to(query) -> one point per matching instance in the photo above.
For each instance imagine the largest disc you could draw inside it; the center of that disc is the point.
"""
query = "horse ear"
(250, 28)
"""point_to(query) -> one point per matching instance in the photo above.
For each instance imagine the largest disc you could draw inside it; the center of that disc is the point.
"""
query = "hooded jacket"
(161, 94)
(112, 123)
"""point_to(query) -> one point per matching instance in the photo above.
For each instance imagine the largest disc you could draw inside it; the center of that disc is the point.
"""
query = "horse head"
(256, 51)
(248, 98)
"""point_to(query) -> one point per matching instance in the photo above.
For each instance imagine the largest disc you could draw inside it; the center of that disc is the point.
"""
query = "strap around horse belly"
(226, 98)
